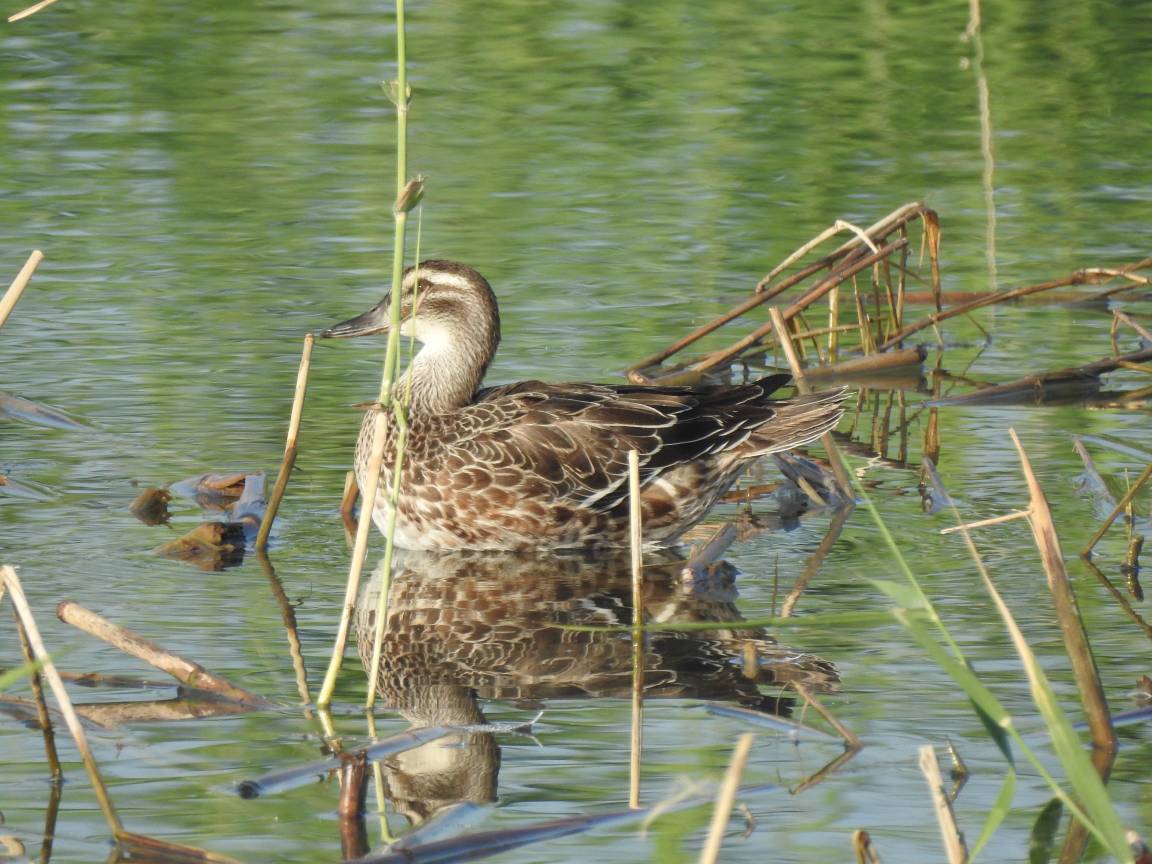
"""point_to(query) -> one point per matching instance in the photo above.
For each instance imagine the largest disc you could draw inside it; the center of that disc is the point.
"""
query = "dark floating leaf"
(209, 546)
(151, 506)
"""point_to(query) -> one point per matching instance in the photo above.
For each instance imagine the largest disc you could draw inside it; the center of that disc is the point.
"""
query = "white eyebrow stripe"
(442, 279)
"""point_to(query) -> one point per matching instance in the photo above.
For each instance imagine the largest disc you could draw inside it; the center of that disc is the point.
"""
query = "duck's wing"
(571, 441)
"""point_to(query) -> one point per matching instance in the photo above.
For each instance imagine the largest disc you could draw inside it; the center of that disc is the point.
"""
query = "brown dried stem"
(726, 798)
(842, 273)
(42, 715)
(1120, 507)
(1087, 276)
(185, 671)
(954, 845)
(289, 460)
(15, 589)
(636, 537)
(8, 301)
(1067, 611)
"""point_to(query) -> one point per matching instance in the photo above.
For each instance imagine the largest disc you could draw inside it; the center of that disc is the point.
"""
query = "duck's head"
(443, 304)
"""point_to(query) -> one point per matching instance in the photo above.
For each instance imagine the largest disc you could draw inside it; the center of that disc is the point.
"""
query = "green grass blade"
(1000, 809)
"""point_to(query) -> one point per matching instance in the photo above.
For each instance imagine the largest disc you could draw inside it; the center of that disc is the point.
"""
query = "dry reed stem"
(31, 10)
(8, 301)
(842, 478)
(813, 294)
(816, 559)
(726, 798)
(150, 849)
(865, 852)
(1119, 597)
(1120, 507)
(635, 536)
(42, 715)
(983, 523)
(825, 771)
(889, 360)
(845, 255)
(1087, 276)
(347, 504)
(834, 325)
(16, 590)
(851, 740)
(185, 671)
(1134, 324)
(954, 845)
(1067, 610)
(289, 460)
(359, 550)
(785, 339)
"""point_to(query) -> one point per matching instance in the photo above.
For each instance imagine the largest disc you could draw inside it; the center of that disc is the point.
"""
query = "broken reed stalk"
(20, 602)
(8, 301)
(42, 715)
(851, 740)
(837, 276)
(865, 852)
(635, 537)
(31, 10)
(887, 362)
(1067, 610)
(1087, 276)
(185, 671)
(816, 559)
(407, 197)
(289, 460)
(1134, 324)
(954, 845)
(726, 798)
(843, 256)
(777, 320)
(1120, 506)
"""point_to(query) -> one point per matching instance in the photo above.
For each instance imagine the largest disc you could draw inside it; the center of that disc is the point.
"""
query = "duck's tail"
(794, 422)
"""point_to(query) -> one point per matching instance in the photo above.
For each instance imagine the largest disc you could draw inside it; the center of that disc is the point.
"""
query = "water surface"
(209, 181)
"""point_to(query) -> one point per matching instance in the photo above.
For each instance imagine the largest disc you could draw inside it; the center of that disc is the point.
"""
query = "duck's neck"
(446, 373)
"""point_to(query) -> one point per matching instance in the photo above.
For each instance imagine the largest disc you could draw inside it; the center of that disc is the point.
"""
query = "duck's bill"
(375, 320)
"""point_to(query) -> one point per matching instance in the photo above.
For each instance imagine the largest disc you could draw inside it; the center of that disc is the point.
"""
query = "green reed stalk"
(913, 610)
(408, 194)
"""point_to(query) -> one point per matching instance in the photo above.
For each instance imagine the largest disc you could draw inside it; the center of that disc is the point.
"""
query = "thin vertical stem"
(289, 460)
(42, 715)
(407, 194)
(725, 799)
(8, 575)
(636, 538)
(8, 301)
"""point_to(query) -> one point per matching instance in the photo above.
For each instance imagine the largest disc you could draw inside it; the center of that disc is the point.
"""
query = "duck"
(541, 466)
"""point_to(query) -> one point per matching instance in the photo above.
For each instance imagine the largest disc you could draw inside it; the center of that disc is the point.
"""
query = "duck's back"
(545, 465)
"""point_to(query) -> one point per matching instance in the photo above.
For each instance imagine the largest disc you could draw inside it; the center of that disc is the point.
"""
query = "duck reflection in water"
(466, 627)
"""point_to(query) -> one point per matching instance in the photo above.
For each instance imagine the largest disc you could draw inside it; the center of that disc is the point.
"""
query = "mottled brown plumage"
(535, 465)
